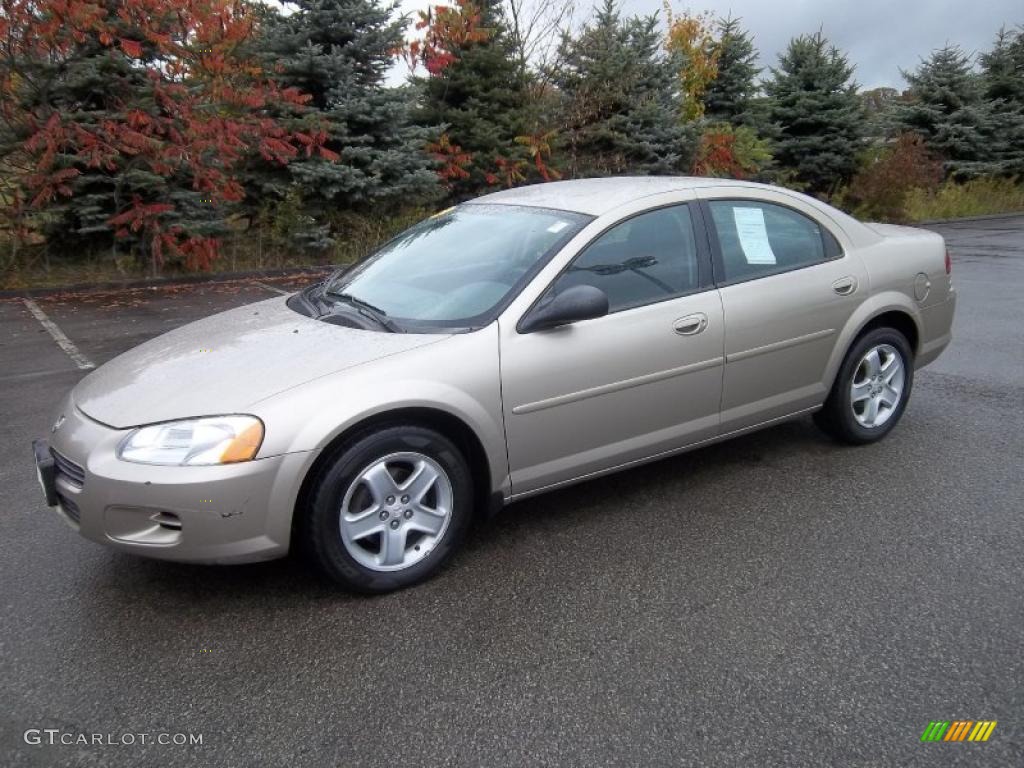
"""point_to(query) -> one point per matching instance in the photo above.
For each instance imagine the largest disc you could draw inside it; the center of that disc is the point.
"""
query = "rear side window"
(758, 239)
(648, 258)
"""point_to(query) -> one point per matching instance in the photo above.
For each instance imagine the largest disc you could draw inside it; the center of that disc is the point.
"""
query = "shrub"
(879, 190)
(728, 152)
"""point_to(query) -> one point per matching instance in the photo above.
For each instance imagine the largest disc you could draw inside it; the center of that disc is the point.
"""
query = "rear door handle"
(844, 286)
(691, 324)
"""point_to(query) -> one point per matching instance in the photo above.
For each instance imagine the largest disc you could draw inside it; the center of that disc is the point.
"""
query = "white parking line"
(58, 335)
(271, 288)
(32, 375)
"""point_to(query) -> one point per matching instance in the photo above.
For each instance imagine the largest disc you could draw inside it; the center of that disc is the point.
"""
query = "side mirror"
(581, 302)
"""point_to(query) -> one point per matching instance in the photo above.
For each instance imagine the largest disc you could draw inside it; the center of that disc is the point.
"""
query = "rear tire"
(389, 510)
(871, 390)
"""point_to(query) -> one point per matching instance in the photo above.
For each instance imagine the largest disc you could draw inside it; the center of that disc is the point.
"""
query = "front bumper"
(219, 514)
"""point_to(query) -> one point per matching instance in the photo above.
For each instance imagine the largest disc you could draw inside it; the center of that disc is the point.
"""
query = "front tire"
(388, 511)
(871, 390)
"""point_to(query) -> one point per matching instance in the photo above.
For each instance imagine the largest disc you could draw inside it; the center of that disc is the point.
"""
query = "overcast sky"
(879, 36)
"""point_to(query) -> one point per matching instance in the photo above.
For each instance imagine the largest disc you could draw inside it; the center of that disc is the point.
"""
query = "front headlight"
(192, 442)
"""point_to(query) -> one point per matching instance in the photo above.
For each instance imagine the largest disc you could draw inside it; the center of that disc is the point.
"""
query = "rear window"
(759, 239)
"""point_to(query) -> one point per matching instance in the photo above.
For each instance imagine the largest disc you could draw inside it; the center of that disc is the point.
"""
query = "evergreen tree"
(819, 116)
(338, 52)
(1003, 82)
(124, 126)
(729, 96)
(1003, 67)
(85, 89)
(477, 94)
(948, 109)
(878, 107)
(621, 106)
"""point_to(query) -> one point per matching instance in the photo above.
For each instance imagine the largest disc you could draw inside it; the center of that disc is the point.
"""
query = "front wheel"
(871, 390)
(389, 510)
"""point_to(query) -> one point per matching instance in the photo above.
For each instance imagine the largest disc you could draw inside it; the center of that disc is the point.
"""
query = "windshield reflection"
(457, 268)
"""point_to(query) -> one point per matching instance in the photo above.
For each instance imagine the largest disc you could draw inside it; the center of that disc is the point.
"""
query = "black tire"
(319, 529)
(837, 417)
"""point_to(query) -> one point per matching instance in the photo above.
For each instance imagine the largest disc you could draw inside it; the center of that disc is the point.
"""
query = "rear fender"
(887, 301)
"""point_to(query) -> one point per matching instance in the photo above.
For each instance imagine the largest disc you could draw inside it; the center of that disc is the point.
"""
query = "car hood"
(226, 362)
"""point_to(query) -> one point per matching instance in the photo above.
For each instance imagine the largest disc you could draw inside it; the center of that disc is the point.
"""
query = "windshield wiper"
(367, 309)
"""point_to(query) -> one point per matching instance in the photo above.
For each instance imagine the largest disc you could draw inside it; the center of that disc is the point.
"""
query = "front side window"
(758, 239)
(456, 268)
(648, 258)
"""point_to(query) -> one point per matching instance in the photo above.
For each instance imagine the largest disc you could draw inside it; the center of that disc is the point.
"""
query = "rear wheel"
(871, 390)
(389, 510)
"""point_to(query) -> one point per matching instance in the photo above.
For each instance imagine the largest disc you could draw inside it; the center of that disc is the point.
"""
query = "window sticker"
(558, 226)
(753, 236)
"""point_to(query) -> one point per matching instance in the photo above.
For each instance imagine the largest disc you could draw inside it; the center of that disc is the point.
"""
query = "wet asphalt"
(774, 600)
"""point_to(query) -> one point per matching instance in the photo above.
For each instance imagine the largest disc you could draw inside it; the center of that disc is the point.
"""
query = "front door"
(642, 380)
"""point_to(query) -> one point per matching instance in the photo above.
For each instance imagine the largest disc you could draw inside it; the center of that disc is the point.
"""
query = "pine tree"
(476, 93)
(621, 109)
(948, 110)
(1003, 82)
(729, 96)
(128, 123)
(339, 52)
(1003, 67)
(879, 104)
(815, 106)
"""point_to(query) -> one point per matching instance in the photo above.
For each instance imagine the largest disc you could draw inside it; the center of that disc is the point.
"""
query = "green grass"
(978, 197)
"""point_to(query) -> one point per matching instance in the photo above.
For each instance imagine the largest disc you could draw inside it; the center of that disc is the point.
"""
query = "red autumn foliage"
(509, 172)
(199, 111)
(716, 156)
(452, 160)
(445, 30)
(539, 147)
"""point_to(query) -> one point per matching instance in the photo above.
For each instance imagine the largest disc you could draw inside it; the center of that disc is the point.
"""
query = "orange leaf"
(131, 48)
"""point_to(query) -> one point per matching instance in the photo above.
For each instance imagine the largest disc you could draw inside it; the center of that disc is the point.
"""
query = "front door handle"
(691, 324)
(844, 286)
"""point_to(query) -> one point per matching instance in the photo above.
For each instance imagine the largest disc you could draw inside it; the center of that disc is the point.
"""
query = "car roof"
(598, 196)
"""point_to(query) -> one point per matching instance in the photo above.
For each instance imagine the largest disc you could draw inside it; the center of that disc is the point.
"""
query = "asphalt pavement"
(774, 600)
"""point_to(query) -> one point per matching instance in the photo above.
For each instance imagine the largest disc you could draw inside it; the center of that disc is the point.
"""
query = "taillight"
(949, 263)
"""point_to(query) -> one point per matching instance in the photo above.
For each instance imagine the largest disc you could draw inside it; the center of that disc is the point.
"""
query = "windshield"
(459, 267)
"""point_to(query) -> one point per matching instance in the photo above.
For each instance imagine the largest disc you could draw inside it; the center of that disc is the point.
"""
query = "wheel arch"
(884, 311)
(898, 320)
(441, 421)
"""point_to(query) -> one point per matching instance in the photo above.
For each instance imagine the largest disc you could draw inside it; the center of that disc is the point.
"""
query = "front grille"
(70, 507)
(70, 471)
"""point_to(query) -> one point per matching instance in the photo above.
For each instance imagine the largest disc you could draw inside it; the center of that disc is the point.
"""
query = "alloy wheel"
(396, 511)
(877, 386)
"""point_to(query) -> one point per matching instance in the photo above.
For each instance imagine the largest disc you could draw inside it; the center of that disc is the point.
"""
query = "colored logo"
(958, 730)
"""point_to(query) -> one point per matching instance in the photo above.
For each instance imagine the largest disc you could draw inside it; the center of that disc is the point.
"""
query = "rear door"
(642, 380)
(788, 286)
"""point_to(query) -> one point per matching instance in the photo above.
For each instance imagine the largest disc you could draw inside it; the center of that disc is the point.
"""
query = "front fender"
(458, 376)
(887, 301)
